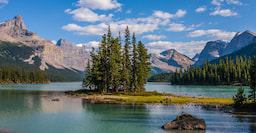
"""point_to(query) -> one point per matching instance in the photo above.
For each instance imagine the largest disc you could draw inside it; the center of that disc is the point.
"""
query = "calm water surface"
(30, 109)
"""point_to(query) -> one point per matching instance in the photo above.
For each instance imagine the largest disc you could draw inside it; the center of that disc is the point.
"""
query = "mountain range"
(215, 49)
(22, 48)
(63, 57)
(242, 44)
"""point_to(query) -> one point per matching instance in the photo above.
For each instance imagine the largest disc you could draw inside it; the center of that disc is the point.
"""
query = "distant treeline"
(20, 76)
(227, 72)
(162, 77)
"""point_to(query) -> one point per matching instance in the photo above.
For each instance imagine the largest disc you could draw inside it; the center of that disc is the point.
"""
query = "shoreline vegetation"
(94, 96)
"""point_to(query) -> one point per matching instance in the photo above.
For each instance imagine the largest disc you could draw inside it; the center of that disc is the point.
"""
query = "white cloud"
(215, 34)
(128, 11)
(180, 13)
(54, 41)
(236, 2)
(4, 1)
(166, 15)
(176, 27)
(87, 30)
(153, 37)
(137, 25)
(186, 48)
(85, 14)
(223, 12)
(217, 2)
(99, 4)
(101, 28)
(201, 9)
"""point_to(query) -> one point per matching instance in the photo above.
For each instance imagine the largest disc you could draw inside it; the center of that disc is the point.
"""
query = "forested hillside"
(226, 72)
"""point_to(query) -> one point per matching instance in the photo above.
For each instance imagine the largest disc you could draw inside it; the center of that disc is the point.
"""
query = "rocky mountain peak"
(15, 24)
(75, 57)
(250, 32)
(169, 53)
(170, 60)
(211, 51)
(64, 43)
(240, 40)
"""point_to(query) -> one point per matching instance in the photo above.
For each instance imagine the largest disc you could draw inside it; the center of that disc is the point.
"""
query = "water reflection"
(30, 111)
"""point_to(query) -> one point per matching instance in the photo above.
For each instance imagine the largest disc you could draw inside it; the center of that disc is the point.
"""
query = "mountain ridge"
(169, 60)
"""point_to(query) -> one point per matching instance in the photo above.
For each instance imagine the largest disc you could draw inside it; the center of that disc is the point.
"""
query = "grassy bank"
(146, 97)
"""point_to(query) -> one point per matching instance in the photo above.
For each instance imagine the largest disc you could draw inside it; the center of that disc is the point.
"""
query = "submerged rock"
(56, 99)
(186, 122)
(4, 131)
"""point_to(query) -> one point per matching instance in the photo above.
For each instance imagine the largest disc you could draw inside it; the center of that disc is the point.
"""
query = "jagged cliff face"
(170, 60)
(74, 56)
(15, 31)
(240, 40)
(211, 51)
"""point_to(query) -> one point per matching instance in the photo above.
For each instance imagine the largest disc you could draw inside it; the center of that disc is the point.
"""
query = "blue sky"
(184, 25)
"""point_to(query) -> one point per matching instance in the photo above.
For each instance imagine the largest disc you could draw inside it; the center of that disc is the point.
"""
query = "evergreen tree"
(143, 66)
(253, 79)
(87, 82)
(126, 61)
(239, 98)
(115, 66)
(134, 64)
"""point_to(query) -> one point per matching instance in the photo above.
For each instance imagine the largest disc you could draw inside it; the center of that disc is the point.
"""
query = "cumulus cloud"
(217, 2)
(99, 4)
(115, 28)
(236, 2)
(178, 27)
(166, 15)
(85, 14)
(201, 9)
(153, 37)
(128, 11)
(3, 1)
(137, 25)
(215, 34)
(223, 12)
(186, 48)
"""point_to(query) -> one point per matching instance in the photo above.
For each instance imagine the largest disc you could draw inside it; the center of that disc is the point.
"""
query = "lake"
(30, 109)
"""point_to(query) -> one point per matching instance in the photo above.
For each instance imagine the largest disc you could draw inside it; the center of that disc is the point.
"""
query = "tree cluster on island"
(17, 76)
(115, 68)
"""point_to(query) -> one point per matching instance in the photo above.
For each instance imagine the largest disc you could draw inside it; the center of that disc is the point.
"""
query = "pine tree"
(134, 64)
(115, 66)
(95, 70)
(253, 79)
(104, 62)
(126, 61)
(143, 67)
(87, 82)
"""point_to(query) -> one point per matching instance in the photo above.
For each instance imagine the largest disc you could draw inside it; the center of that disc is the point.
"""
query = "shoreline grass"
(146, 97)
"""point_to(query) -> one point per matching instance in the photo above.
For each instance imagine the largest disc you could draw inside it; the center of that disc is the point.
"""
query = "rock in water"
(186, 122)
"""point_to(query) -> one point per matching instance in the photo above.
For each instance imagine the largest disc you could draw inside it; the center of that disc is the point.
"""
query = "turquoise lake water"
(30, 109)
